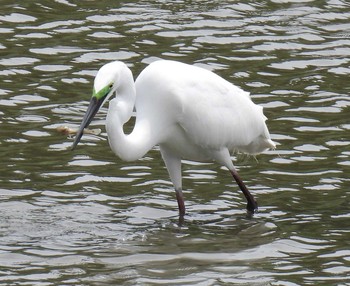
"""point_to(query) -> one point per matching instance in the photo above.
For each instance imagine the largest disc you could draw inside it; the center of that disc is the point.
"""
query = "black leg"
(252, 205)
(180, 202)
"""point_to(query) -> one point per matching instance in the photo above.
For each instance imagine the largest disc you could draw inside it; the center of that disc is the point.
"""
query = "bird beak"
(93, 107)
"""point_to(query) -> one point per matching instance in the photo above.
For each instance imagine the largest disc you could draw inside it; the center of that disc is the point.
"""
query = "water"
(87, 218)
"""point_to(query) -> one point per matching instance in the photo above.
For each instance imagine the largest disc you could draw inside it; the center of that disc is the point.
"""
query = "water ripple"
(89, 218)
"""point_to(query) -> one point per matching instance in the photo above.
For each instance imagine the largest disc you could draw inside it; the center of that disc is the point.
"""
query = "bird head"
(104, 86)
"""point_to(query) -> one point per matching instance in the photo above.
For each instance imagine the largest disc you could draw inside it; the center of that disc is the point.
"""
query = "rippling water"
(87, 218)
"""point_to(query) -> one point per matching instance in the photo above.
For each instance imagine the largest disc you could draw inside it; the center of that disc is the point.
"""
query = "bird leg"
(180, 202)
(252, 205)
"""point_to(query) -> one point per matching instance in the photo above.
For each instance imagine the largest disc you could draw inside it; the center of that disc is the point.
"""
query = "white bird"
(190, 112)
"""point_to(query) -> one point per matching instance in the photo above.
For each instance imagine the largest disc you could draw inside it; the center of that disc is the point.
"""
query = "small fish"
(72, 131)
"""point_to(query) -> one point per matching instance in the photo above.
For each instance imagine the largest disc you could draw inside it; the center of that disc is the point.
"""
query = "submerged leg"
(252, 205)
(180, 202)
(223, 157)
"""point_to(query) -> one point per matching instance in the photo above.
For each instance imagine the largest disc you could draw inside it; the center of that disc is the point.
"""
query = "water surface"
(87, 218)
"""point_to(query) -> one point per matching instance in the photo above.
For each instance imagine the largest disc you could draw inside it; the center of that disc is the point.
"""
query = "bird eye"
(111, 85)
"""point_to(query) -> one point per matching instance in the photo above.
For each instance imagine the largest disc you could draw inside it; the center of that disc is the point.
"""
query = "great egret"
(190, 112)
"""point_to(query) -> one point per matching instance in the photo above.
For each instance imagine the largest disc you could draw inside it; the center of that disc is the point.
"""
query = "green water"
(87, 218)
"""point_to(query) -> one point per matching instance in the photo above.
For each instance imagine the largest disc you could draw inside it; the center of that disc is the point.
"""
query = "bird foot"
(181, 221)
(252, 207)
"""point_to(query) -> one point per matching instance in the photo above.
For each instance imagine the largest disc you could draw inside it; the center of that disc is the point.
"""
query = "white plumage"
(190, 112)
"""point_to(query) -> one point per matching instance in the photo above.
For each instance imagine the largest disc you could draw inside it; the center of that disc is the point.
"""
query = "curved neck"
(128, 147)
(136, 144)
(125, 94)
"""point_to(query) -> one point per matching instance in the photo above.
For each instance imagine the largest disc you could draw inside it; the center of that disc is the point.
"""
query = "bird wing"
(218, 114)
(212, 112)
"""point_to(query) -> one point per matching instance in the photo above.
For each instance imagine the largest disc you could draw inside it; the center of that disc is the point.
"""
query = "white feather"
(191, 113)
